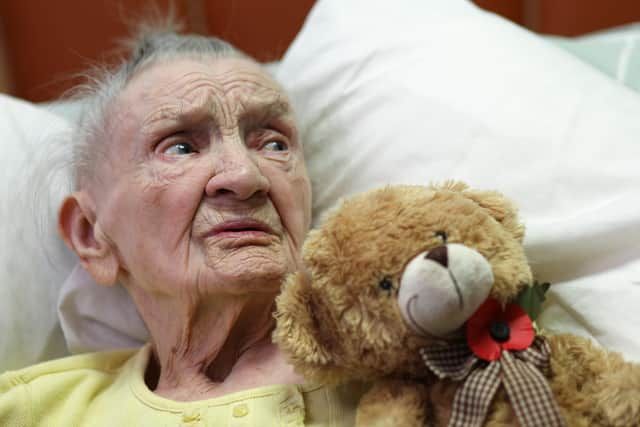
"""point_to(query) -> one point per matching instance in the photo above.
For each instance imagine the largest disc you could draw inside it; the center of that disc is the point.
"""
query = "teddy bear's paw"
(392, 404)
(619, 399)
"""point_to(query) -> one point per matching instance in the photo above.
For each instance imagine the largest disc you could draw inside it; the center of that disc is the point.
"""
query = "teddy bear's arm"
(299, 333)
(587, 379)
(392, 403)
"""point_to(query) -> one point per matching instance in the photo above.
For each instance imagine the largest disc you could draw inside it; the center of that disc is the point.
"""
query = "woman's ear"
(77, 227)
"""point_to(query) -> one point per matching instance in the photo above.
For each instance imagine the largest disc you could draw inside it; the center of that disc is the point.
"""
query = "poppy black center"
(499, 331)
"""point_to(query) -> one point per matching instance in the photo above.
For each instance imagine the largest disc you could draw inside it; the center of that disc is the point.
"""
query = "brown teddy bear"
(419, 292)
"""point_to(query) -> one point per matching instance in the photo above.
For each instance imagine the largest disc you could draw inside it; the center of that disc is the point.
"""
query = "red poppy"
(491, 330)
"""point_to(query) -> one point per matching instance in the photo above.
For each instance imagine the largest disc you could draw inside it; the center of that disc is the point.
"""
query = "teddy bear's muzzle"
(441, 288)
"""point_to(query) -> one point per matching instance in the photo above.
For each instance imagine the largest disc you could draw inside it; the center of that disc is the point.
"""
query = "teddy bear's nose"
(439, 255)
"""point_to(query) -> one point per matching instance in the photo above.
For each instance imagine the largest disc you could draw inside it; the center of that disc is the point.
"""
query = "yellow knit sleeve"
(15, 403)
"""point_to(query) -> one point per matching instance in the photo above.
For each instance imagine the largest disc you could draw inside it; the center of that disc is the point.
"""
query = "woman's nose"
(236, 173)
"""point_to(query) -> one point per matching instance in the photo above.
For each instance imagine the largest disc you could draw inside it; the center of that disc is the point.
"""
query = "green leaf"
(531, 298)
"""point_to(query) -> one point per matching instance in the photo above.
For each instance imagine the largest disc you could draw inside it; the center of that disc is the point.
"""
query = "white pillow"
(426, 90)
(33, 260)
(437, 89)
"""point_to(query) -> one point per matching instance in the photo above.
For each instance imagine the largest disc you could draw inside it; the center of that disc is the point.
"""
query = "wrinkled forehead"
(225, 88)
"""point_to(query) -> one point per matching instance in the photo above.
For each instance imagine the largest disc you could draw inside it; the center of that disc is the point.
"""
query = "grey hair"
(150, 46)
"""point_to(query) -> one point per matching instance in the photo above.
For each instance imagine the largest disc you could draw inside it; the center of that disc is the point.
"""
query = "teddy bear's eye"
(386, 284)
(442, 236)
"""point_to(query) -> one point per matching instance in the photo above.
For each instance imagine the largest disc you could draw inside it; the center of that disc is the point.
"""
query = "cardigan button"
(240, 411)
(191, 416)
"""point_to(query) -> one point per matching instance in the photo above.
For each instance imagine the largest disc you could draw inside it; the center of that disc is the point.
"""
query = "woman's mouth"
(246, 228)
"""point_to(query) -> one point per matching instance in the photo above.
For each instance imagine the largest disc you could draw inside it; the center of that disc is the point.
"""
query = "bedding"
(33, 261)
(421, 92)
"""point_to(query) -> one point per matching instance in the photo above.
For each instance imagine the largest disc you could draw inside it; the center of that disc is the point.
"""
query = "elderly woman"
(191, 191)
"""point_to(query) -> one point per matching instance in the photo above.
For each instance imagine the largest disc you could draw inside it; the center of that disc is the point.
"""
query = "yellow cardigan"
(108, 389)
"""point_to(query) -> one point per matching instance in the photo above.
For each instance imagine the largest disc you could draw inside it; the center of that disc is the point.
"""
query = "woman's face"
(204, 188)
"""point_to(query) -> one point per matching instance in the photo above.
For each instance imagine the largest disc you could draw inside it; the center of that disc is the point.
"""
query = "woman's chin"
(252, 269)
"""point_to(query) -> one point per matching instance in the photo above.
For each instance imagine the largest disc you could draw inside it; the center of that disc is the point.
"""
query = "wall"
(49, 41)
(46, 42)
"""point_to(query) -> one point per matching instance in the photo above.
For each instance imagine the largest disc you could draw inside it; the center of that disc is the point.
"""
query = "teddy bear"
(418, 291)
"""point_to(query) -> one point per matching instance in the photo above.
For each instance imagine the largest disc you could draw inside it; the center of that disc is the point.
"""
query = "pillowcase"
(432, 90)
(33, 260)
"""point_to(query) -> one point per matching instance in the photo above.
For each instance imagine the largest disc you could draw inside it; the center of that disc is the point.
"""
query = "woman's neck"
(211, 348)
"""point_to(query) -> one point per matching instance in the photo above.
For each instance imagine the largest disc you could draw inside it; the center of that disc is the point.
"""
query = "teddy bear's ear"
(299, 332)
(499, 207)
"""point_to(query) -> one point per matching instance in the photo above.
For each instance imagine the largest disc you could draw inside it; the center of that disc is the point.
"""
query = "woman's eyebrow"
(254, 111)
(177, 114)
(264, 110)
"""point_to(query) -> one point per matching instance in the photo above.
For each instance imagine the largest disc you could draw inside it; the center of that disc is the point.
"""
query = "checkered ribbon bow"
(519, 371)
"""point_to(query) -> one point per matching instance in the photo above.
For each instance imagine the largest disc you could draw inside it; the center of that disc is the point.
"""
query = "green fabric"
(615, 52)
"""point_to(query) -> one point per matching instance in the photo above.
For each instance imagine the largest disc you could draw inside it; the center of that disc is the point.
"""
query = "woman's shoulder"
(107, 362)
(29, 396)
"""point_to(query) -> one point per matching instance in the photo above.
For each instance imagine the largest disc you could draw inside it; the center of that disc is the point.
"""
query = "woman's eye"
(179, 149)
(275, 146)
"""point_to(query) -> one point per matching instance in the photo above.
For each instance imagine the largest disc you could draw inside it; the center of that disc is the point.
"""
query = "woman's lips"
(239, 228)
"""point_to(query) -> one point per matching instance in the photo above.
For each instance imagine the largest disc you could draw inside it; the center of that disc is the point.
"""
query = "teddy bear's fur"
(337, 323)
